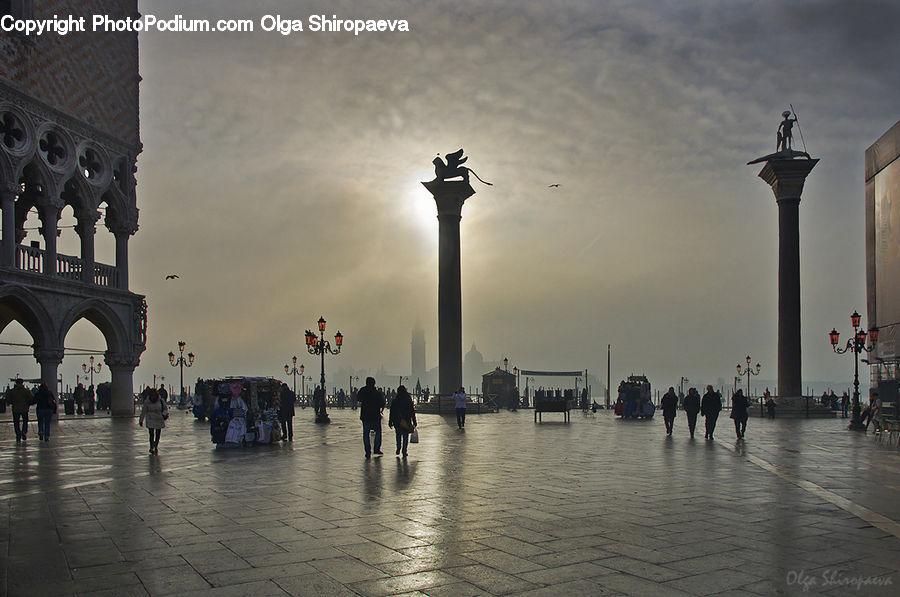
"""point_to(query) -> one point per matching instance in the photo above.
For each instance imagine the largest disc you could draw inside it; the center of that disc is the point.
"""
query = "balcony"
(31, 259)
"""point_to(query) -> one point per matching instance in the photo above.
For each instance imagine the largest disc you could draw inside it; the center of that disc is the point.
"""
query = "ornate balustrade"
(31, 259)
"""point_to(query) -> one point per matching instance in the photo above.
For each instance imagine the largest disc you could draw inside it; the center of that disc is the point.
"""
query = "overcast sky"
(280, 179)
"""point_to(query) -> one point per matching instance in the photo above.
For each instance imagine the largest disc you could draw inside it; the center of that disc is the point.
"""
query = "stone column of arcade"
(49, 360)
(121, 368)
(86, 229)
(49, 220)
(449, 197)
(122, 235)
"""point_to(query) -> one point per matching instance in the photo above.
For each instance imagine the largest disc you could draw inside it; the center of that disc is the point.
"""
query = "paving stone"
(491, 580)
(404, 584)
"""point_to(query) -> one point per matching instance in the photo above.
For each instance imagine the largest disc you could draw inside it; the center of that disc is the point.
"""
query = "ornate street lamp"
(505, 364)
(181, 363)
(294, 371)
(748, 372)
(319, 346)
(857, 344)
(91, 369)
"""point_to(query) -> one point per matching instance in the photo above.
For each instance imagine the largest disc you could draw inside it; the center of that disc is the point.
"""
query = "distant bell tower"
(418, 352)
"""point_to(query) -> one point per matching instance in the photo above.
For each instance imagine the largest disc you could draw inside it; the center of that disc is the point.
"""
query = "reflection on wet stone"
(597, 507)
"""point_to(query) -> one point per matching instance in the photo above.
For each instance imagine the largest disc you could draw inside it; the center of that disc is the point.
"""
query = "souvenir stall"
(246, 411)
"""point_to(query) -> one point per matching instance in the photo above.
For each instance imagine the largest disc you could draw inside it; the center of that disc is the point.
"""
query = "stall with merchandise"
(246, 411)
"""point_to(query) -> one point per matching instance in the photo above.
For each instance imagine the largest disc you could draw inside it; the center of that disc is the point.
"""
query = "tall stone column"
(121, 368)
(8, 203)
(449, 197)
(49, 359)
(786, 177)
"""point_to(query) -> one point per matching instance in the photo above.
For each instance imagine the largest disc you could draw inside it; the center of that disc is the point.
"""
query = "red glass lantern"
(321, 324)
(854, 319)
(834, 336)
(339, 338)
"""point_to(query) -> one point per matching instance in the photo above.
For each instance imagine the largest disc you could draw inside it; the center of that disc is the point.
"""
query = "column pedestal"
(449, 197)
(786, 177)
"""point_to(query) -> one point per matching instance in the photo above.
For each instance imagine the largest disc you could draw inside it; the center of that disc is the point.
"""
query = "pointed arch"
(19, 304)
(104, 318)
(78, 194)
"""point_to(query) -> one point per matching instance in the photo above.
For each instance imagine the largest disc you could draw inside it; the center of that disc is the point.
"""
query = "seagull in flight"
(171, 276)
(553, 185)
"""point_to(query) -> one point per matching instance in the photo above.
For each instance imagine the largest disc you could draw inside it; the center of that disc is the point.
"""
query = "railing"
(31, 259)
(68, 267)
(106, 275)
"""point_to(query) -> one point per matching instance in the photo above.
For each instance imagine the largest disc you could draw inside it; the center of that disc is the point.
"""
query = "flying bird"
(171, 276)
(553, 185)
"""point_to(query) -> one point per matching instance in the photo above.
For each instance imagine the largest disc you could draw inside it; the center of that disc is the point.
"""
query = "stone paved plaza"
(595, 507)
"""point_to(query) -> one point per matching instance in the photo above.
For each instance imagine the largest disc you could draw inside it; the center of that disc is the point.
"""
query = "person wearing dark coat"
(79, 398)
(691, 408)
(20, 400)
(402, 418)
(739, 406)
(371, 403)
(45, 406)
(286, 413)
(669, 405)
(710, 405)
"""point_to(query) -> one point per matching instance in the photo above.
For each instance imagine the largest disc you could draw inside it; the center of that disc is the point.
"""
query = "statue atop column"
(784, 137)
(453, 168)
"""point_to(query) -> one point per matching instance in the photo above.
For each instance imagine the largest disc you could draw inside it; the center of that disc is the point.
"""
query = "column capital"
(48, 355)
(786, 177)
(121, 361)
(449, 195)
(8, 189)
(87, 222)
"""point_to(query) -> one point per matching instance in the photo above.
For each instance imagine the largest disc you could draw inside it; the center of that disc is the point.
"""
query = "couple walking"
(402, 417)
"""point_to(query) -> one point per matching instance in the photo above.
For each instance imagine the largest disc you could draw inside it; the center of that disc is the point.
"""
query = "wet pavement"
(595, 507)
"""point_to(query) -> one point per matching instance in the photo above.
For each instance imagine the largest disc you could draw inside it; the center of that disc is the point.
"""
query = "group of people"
(401, 417)
(20, 400)
(709, 406)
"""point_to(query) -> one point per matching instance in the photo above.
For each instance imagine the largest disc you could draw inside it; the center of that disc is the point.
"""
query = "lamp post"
(857, 344)
(402, 377)
(91, 369)
(352, 379)
(294, 371)
(180, 362)
(319, 346)
(748, 372)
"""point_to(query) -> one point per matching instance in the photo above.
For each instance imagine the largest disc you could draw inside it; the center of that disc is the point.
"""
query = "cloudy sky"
(280, 179)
